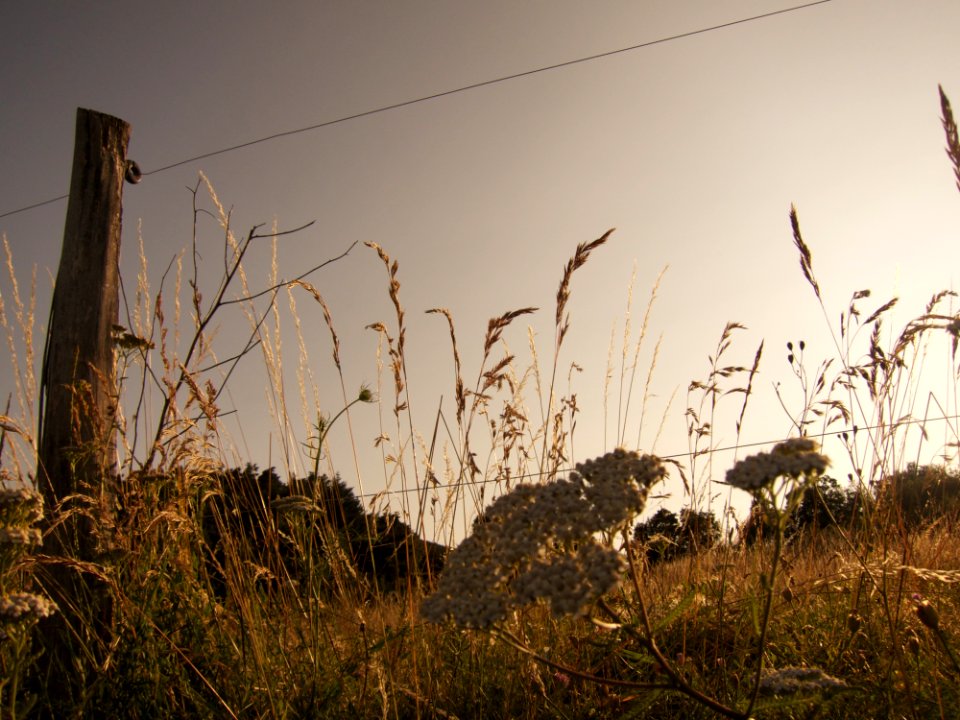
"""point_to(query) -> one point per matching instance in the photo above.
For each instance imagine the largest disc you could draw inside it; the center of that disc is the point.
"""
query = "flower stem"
(768, 606)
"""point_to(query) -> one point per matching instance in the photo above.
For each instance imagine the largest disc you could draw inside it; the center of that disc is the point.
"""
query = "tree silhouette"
(823, 505)
(667, 536)
(922, 494)
(281, 530)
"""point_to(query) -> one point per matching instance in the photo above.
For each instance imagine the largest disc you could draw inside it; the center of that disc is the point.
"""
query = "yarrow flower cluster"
(25, 536)
(20, 508)
(536, 543)
(790, 680)
(790, 459)
(18, 504)
(20, 611)
(17, 607)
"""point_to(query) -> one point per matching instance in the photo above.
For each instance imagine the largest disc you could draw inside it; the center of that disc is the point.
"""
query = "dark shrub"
(666, 536)
(381, 547)
(922, 494)
(254, 522)
(700, 530)
(824, 505)
(659, 535)
(239, 528)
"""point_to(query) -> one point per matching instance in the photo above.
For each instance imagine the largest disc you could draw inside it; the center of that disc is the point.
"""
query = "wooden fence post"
(78, 401)
(78, 388)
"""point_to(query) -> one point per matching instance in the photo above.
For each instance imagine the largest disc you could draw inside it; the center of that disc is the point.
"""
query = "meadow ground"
(198, 592)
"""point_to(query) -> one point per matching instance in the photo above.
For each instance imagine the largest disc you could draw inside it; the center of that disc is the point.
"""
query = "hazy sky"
(693, 149)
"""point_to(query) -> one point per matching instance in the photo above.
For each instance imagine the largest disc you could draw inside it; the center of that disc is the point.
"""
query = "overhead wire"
(447, 93)
(454, 91)
(711, 451)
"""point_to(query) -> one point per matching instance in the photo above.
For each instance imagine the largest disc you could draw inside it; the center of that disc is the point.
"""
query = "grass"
(159, 620)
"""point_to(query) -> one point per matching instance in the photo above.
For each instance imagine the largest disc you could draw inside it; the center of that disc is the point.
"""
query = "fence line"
(710, 451)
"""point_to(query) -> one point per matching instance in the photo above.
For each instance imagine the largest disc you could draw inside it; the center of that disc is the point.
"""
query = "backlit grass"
(213, 594)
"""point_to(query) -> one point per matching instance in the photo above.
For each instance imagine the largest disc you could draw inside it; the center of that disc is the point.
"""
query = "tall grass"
(228, 601)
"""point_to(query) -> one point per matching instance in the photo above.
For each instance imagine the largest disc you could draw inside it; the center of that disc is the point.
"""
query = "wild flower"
(926, 613)
(791, 459)
(561, 678)
(18, 504)
(22, 606)
(537, 543)
(913, 642)
(790, 680)
(570, 581)
(15, 535)
(20, 611)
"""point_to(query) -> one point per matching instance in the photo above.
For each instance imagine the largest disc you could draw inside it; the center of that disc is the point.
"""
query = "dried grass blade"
(577, 261)
(806, 257)
(950, 128)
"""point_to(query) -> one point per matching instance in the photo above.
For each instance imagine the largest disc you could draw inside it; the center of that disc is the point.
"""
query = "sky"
(693, 149)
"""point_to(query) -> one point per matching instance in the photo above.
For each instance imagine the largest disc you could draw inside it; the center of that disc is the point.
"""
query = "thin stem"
(518, 644)
(648, 641)
(942, 637)
(768, 605)
(324, 429)
(676, 680)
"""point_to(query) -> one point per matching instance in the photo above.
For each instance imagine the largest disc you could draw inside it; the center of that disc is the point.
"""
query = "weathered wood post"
(78, 400)
(78, 388)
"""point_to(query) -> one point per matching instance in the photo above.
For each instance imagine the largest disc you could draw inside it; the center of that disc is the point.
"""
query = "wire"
(526, 476)
(35, 205)
(446, 93)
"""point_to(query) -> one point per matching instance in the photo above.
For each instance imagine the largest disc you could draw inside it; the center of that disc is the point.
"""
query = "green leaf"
(681, 607)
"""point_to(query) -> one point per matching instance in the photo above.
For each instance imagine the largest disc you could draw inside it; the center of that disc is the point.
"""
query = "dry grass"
(200, 629)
